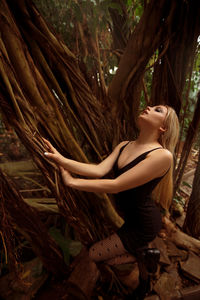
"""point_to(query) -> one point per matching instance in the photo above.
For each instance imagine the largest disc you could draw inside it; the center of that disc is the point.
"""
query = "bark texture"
(192, 224)
(177, 53)
(189, 140)
(16, 213)
(43, 93)
(125, 88)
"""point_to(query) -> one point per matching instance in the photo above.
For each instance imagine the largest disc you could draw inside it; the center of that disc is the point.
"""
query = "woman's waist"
(152, 223)
(136, 204)
(142, 214)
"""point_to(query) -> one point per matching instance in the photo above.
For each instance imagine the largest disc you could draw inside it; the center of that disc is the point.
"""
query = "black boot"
(150, 258)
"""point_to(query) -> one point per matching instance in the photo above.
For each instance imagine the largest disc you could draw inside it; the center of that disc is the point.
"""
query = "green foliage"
(38, 269)
(178, 199)
(95, 15)
(189, 104)
(186, 184)
(95, 18)
(62, 242)
(69, 247)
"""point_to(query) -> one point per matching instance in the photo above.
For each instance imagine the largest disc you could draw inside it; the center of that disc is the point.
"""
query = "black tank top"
(136, 205)
(119, 171)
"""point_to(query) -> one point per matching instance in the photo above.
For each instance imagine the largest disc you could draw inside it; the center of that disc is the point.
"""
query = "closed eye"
(159, 109)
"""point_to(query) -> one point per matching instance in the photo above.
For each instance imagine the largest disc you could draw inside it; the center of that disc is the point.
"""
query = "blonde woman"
(140, 167)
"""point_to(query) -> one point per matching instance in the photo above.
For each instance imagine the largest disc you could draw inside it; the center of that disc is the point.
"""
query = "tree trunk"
(43, 92)
(121, 31)
(16, 213)
(190, 137)
(35, 66)
(125, 88)
(176, 55)
(192, 224)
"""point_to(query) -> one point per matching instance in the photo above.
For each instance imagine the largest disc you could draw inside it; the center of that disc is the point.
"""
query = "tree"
(45, 90)
(191, 225)
(190, 137)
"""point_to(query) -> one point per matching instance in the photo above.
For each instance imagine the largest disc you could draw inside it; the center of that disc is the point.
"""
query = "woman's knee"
(92, 254)
(97, 252)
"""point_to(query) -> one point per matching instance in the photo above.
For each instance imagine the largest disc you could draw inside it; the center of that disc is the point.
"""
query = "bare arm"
(89, 170)
(155, 165)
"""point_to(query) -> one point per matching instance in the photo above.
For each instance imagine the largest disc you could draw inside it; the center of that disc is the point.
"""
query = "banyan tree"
(46, 90)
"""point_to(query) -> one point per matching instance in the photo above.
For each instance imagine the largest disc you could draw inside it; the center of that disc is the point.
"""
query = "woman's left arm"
(153, 166)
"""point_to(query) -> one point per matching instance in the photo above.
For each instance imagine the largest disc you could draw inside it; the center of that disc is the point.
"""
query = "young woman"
(141, 167)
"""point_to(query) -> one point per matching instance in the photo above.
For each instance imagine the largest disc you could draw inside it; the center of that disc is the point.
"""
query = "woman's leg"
(110, 250)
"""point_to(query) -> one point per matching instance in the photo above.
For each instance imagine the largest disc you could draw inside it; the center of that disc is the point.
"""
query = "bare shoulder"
(160, 161)
(166, 153)
(162, 154)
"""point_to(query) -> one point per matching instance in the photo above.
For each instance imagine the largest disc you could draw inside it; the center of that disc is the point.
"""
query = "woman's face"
(154, 116)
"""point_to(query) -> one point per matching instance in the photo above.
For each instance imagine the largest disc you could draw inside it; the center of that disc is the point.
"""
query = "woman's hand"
(66, 176)
(53, 154)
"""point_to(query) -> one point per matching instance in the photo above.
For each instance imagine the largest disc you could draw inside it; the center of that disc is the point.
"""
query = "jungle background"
(78, 73)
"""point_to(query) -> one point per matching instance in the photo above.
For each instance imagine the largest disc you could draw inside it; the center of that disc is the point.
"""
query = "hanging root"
(180, 238)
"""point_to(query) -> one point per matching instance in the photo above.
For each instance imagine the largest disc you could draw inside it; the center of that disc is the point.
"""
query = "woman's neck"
(147, 137)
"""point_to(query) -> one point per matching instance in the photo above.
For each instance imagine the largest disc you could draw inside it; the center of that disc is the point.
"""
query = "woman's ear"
(162, 129)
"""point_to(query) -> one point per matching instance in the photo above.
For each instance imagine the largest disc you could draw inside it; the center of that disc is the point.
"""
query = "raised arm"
(89, 170)
(155, 165)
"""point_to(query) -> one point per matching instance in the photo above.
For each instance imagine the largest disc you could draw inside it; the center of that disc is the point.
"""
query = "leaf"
(75, 247)
(186, 184)
(77, 12)
(129, 3)
(37, 268)
(117, 7)
(139, 11)
(68, 246)
(62, 242)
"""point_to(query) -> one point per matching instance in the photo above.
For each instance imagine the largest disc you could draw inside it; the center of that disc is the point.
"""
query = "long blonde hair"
(163, 192)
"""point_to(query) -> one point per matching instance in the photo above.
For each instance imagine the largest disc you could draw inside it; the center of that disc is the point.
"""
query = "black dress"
(141, 215)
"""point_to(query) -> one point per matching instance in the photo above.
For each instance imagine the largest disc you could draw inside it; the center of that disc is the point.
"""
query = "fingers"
(64, 171)
(51, 152)
(53, 157)
(45, 140)
(50, 155)
(49, 145)
(66, 176)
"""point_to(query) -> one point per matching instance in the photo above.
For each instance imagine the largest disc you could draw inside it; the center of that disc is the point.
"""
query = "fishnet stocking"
(110, 250)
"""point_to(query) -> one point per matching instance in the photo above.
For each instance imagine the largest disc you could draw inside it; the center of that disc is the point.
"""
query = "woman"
(139, 166)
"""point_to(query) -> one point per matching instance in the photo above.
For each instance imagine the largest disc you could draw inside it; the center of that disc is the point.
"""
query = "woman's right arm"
(85, 169)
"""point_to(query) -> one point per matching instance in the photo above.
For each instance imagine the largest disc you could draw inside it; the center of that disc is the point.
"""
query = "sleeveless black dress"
(142, 217)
